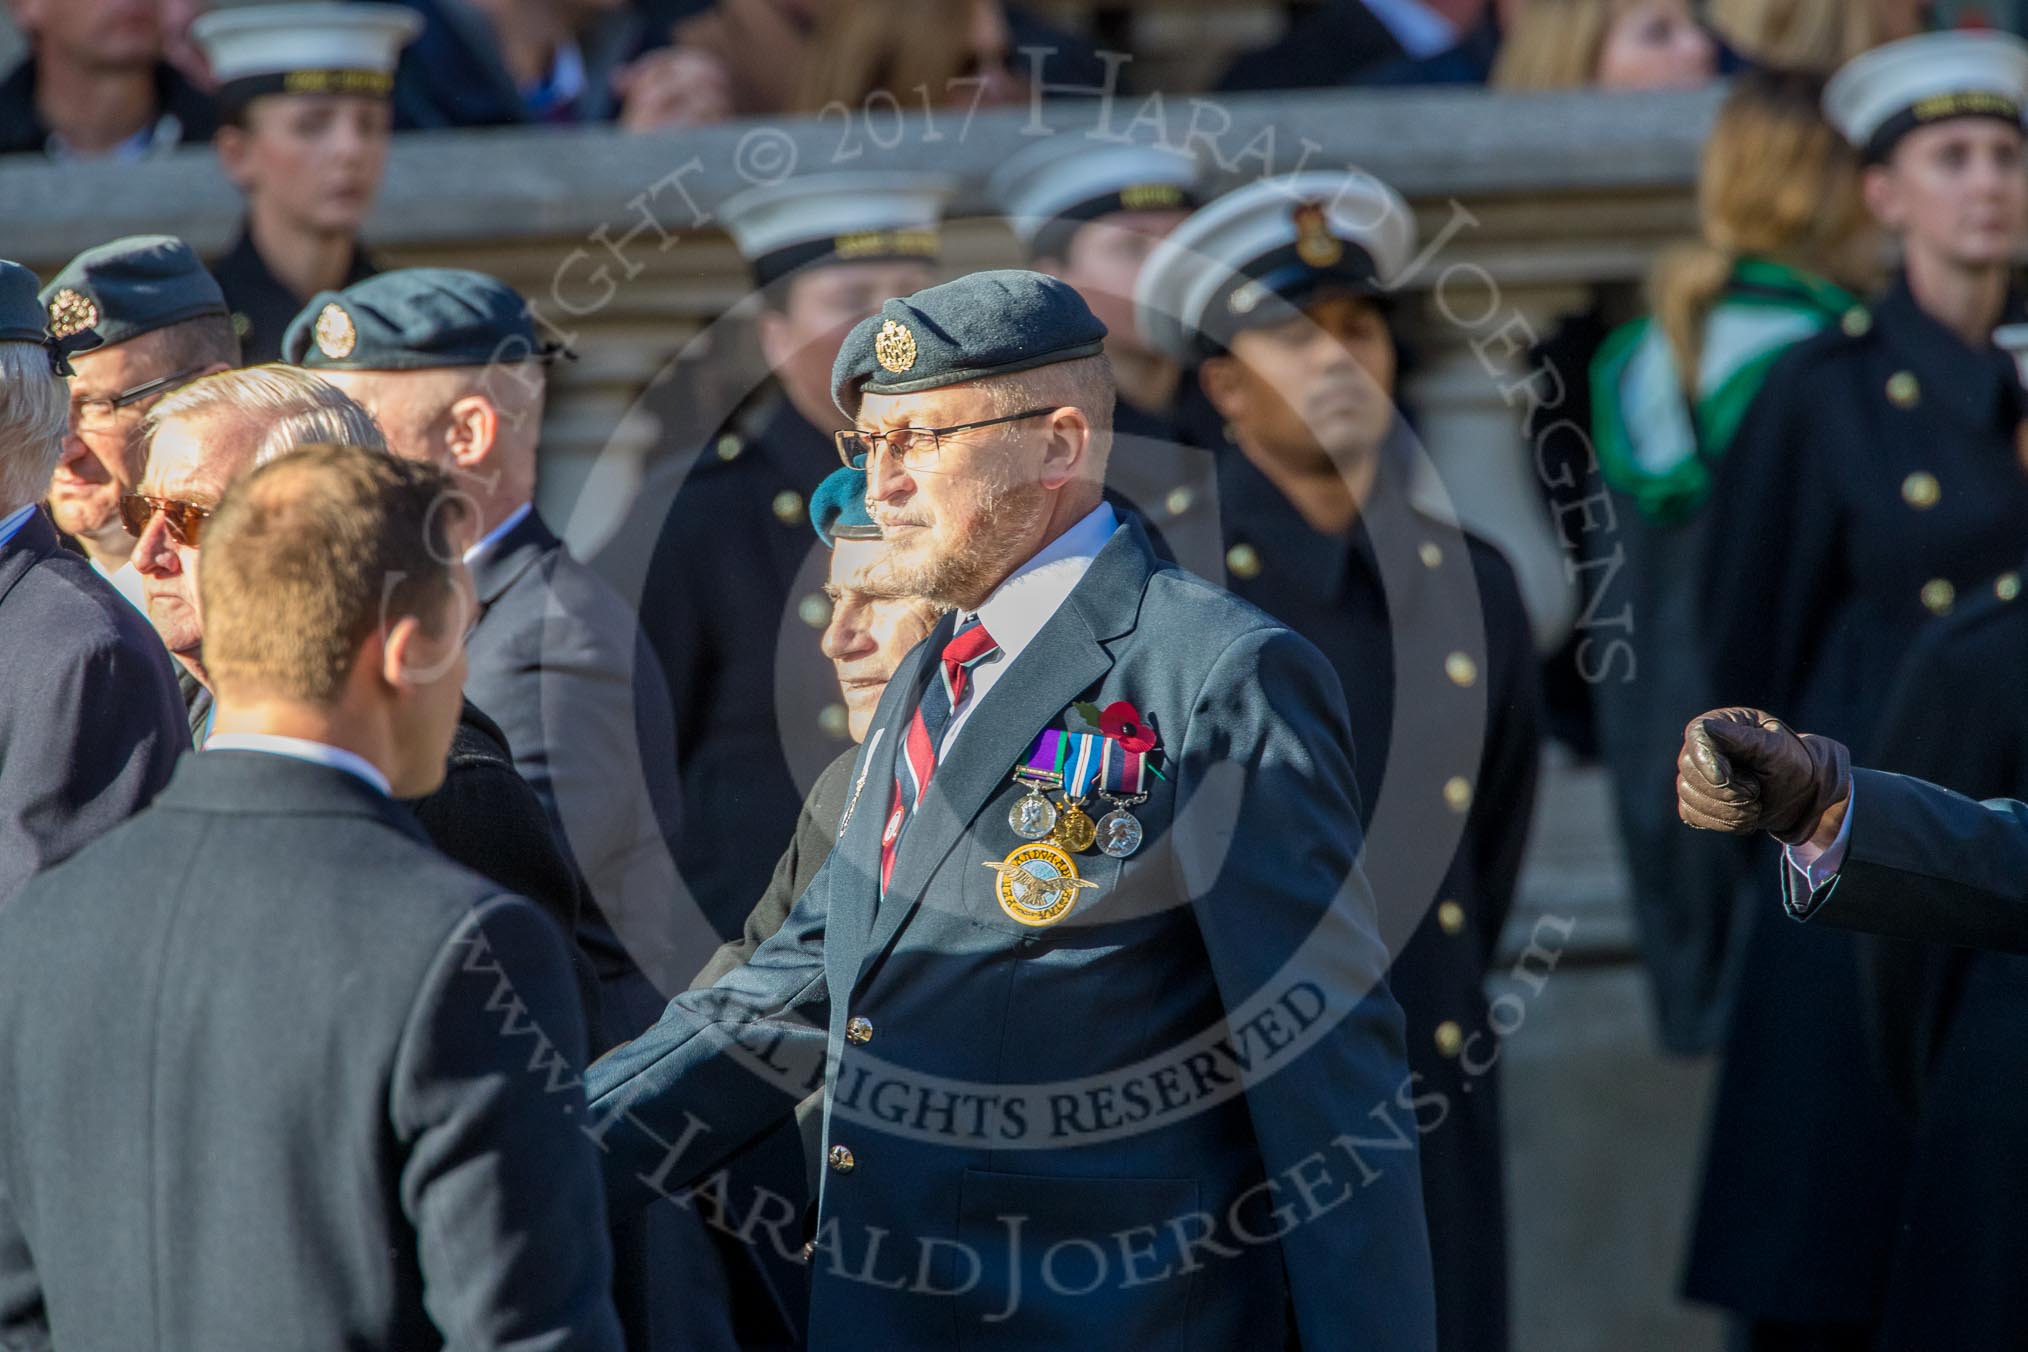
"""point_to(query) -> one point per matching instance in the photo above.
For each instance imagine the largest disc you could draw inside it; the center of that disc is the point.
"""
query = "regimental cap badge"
(71, 312)
(894, 346)
(336, 337)
(1315, 244)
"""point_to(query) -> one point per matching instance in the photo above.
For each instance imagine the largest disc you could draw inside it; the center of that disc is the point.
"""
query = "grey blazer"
(277, 1074)
(90, 720)
(557, 661)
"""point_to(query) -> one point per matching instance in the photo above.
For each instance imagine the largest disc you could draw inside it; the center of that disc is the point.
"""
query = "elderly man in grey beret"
(1089, 1083)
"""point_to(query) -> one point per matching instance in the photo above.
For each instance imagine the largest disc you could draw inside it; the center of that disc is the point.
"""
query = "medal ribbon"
(1083, 761)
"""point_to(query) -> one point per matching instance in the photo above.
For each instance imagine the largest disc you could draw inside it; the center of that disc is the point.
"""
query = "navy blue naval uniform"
(1874, 483)
(733, 605)
(1179, 1116)
(1409, 631)
(1939, 1014)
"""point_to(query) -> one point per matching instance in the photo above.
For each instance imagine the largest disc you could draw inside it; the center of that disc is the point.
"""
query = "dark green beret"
(414, 319)
(983, 324)
(129, 287)
(838, 508)
(21, 314)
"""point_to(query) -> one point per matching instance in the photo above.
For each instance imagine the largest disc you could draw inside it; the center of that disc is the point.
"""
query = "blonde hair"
(1777, 182)
(34, 410)
(1811, 35)
(891, 45)
(1555, 44)
(310, 554)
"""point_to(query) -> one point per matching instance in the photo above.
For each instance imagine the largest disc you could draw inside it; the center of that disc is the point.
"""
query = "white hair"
(294, 407)
(34, 412)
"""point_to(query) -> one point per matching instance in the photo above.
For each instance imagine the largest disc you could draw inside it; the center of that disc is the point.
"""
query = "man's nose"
(155, 552)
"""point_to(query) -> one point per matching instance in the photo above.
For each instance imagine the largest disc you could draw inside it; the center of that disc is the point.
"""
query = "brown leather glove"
(1742, 771)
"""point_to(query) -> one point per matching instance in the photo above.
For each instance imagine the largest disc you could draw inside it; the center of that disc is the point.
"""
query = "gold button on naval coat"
(1244, 561)
(1939, 595)
(1904, 390)
(1179, 501)
(858, 1031)
(1920, 490)
(814, 610)
(1461, 669)
(729, 446)
(789, 507)
(841, 1160)
(2007, 586)
(1450, 1039)
(834, 721)
(1857, 322)
(1451, 917)
(1458, 793)
(1431, 553)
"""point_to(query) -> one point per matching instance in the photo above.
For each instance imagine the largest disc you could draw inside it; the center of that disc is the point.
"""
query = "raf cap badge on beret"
(71, 312)
(895, 346)
(335, 334)
(981, 325)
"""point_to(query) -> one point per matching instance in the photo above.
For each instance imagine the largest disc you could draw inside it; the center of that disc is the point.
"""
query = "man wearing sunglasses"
(996, 1006)
(90, 726)
(138, 318)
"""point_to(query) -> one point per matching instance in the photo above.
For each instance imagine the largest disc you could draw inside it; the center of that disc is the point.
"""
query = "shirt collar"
(296, 748)
(492, 538)
(1421, 31)
(1018, 608)
(14, 521)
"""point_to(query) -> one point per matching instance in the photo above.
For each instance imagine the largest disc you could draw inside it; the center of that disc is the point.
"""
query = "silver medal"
(1119, 833)
(1033, 816)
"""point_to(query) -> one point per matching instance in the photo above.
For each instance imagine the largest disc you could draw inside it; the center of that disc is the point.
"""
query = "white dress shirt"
(1817, 867)
(492, 538)
(296, 748)
(1018, 608)
(1420, 30)
(14, 521)
(126, 580)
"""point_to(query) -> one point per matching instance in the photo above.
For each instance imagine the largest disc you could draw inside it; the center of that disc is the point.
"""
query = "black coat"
(90, 726)
(261, 304)
(333, 1096)
(1872, 483)
(1394, 625)
(1944, 1017)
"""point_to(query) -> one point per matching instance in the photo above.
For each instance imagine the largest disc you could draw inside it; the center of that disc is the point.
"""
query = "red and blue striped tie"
(968, 647)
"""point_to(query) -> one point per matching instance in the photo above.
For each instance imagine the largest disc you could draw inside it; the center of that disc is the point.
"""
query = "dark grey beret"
(132, 286)
(414, 319)
(983, 324)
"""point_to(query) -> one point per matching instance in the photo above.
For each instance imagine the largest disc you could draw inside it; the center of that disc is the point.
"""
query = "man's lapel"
(1066, 658)
(855, 883)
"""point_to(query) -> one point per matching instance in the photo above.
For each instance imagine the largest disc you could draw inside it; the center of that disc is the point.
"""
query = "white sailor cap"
(1880, 96)
(836, 218)
(304, 49)
(1049, 189)
(1258, 254)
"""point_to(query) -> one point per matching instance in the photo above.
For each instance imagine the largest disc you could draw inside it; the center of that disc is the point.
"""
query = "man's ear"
(1224, 384)
(391, 650)
(472, 431)
(1067, 454)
